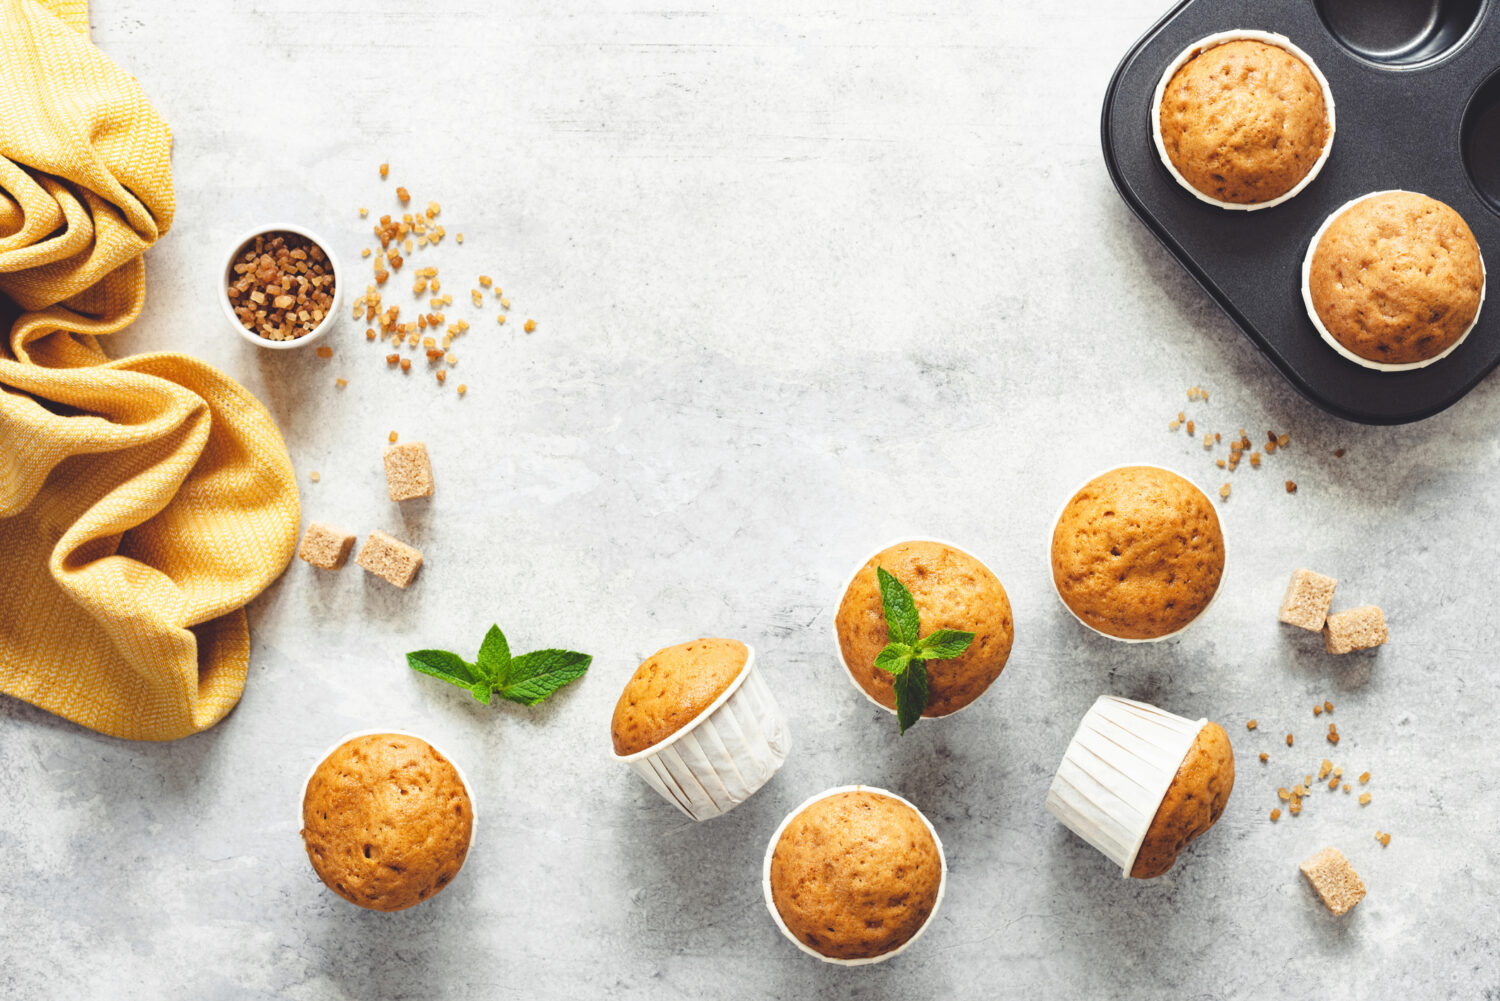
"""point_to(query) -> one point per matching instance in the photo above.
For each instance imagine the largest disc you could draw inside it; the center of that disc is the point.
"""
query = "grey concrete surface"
(808, 277)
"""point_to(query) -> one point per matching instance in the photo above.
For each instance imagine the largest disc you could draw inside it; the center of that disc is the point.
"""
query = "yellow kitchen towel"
(144, 500)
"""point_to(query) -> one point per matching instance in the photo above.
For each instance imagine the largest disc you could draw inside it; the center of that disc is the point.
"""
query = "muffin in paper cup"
(1338, 346)
(390, 897)
(1203, 45)
(1052, 573)
(959, 682)
(768, 890)
(1116, 771)
(735, 740)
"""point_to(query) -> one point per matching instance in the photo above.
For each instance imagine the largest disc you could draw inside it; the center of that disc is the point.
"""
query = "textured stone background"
(808, 277)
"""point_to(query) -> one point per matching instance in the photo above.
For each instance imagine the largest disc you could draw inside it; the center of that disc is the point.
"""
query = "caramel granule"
(406, 364)
(315, 476)
(1264, 757)
(1346, 787)
(1252, 724)
(1327, 707)
(1288, 740)
(1224, 494)
(365, 252)
(1282, 441)
(341, 383)
(1364, 778)
(1190, 428)
(1208, 441)
(1384, 839)
(486, 281)
(385, 169)
(1364, 799)
(530, 326)
(500, 319)
(1219, 463)
(1291, 486)
(1295, 807)
(460, 238)
(442, 376)
(1254, 460)
(1173, 426)
(369, 334)
(1276, 813)
(403, 196)
(1338, 453)
(1325, 768)
(1333, 783)
(324, 351)
(462, 389)
(1283, 794)
(1317, 709)
(391, 438)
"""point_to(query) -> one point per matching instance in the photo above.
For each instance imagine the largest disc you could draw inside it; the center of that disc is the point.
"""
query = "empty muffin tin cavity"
(1481, 140)
(1400, 34)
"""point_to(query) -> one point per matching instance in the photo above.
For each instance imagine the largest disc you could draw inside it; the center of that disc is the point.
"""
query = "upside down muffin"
(1137, 553)
(1396, 278)
(672, 688)
(386, 821)
(856, 874)
(1194, 802)
(952, 590)
(1244, 121)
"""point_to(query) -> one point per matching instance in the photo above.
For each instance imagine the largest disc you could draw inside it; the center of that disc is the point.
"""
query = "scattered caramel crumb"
(1338, 453)
(530, 326)
(341, 383)
(1276, 813)
(1252, 724)
(1364, 778)
(1264, 757)
(1364, 799)
(391, 438)
(1291, 486)
(500, 319)
(1333, 783)
(442, 376)
(1191, 430)
(1288, 740)
(462, 389)
(403, 196)
(385, 169)
(1282, 792)
(1346, 787)
(1224, 491)
(450, 358)
(1296, 807)
(1317, 709)
(1325, 768)
(1282, 441)
(486, 281)
(1384, 839)
(324, 351)
(315, 476)
(459, 238)
(365, 252)
(1327, 706)
(1254, 460)
(406, 364)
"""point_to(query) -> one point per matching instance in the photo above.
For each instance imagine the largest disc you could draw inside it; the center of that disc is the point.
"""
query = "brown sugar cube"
(390, 558)
(325, 547)
(1334, 878)
(1360, 628)
(1308, 597)
(408, 471)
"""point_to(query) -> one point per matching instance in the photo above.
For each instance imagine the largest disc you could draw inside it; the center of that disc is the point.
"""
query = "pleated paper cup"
(1332, 341)
(1134, 639)
(1203, 45)
(468, 786)
(765, 880)
(723, 756)
(839, 647)
(1115, 773)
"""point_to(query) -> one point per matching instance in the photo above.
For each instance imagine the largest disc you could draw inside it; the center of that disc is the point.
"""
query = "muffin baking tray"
(1416, 87)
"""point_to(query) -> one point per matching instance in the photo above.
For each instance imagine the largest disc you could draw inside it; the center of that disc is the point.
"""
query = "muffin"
(1139, 783)
(1137, 553)
(1394, 280)
(1193, 803)
(854, 875)
(386, 821)
(672, 688)
(952, 590)
(698, 722)
(1244, 119)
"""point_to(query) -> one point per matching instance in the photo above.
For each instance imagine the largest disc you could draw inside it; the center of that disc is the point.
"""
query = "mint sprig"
(527, 679)
(905, 655)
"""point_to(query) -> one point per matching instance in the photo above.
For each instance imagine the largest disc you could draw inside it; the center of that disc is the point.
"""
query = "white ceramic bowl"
(1333, 342)
(1202, 45)
(839, 647)
(1127, 639)
(226, 275)
(765, 880)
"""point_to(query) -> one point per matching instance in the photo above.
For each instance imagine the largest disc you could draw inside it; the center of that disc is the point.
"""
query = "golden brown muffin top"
(1244, 122)
(855, 874)
(386, 821)
(952, 590)
(1194, 802)
(1138, 552)
(672, 688)
(1397, 278)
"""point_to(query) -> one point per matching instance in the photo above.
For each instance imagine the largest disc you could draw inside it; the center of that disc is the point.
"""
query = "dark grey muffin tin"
(1416, 88)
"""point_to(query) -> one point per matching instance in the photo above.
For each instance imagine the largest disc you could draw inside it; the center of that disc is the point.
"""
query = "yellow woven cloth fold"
(145, 500)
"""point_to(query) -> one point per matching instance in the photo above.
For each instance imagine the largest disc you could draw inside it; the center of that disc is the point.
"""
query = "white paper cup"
(765, 880)
(1204, 44)
(1333, 342)
(468, 786)
(1115, 773)
(839, 647)
(1130, 639)
(722, 757)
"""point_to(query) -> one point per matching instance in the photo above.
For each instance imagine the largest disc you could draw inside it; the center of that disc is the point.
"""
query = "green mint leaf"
(452, 668)
(894, 658)
(911, 694)
(943, 644)
(494, 655)
(900, 608)
(536, 675)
